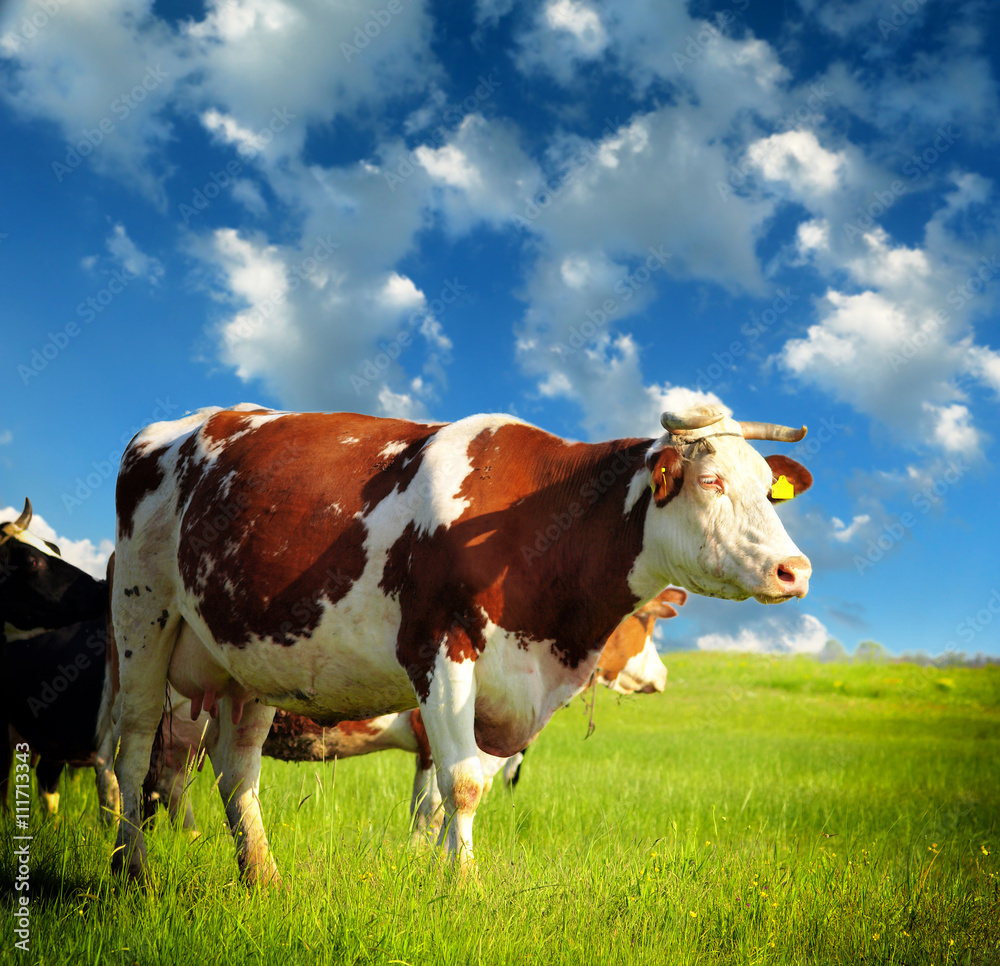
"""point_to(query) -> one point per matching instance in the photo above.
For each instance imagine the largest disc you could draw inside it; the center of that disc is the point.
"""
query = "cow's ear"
(788, 478)
(666, 469)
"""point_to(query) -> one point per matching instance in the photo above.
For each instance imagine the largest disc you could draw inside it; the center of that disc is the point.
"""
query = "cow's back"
(267, 510)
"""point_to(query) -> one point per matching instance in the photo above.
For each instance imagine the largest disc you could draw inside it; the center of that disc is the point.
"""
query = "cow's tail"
(512, 769)
(105, 726)
(150, 784)
(108, 796)
(105, 712)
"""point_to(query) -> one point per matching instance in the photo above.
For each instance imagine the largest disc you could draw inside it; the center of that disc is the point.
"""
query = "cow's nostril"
(786, 575)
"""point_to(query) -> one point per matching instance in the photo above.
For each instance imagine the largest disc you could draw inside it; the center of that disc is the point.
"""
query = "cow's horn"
(25, 518)
(772, 432)
(692, 419)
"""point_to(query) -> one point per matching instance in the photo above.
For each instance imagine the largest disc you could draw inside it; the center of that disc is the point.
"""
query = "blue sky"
(579, 212)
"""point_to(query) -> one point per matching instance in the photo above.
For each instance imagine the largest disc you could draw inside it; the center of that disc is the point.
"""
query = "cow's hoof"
(262, 877)
(133, 870)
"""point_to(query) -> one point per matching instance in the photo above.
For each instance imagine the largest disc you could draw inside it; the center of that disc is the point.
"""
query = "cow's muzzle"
(788, 578)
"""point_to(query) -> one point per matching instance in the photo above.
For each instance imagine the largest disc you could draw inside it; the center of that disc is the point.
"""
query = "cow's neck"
(576, 581)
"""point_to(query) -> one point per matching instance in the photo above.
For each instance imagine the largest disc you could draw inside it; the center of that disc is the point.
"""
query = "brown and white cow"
(628, 664)
(629, 661)
(343, 566)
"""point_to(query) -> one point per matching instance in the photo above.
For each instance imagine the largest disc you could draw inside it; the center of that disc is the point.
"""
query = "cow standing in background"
(53, 656)
(53, 663)
(38, 589)
(344, 566)
(629, 661)
(628, 664)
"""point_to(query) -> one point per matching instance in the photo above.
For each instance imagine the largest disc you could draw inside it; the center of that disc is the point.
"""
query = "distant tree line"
(871, 652)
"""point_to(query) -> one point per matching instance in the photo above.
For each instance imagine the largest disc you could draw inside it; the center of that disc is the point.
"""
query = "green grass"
(760, 811)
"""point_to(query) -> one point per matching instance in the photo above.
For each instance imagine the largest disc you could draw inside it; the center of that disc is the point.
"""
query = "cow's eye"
(711, 482)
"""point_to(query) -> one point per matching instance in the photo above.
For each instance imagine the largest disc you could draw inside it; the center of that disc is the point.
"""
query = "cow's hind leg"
(449, 717)
(426, 811)
(144, 649)
(236, 761)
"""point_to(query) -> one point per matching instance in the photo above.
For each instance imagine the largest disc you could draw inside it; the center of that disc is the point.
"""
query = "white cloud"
(846, 532)
(90, 557)
(564, 34)
(295, 327)
(951, 429)
(772, 636)
(479, 175)
(229, 131)
(895, 338)
(6, 438)
(589, 210)
(915, 101)
(248, 194)
(984, 364)
(127, 254)
(314, 59)
(237, 69)
(581, 21)
(798, 158)
(102, 72)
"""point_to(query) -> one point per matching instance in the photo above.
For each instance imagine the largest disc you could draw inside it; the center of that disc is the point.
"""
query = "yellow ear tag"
(652, 481)
(781, 489)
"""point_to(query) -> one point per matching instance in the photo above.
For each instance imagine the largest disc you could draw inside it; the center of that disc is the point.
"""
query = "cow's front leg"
(47, 773)
(236, 761)
(448, 713)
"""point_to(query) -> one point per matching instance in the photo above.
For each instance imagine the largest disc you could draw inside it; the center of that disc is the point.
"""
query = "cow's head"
(712, 526)
(662, 605)
(629, 661)
(38, 589)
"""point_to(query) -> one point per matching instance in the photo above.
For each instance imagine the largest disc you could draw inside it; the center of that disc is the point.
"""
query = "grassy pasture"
(761, 811)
